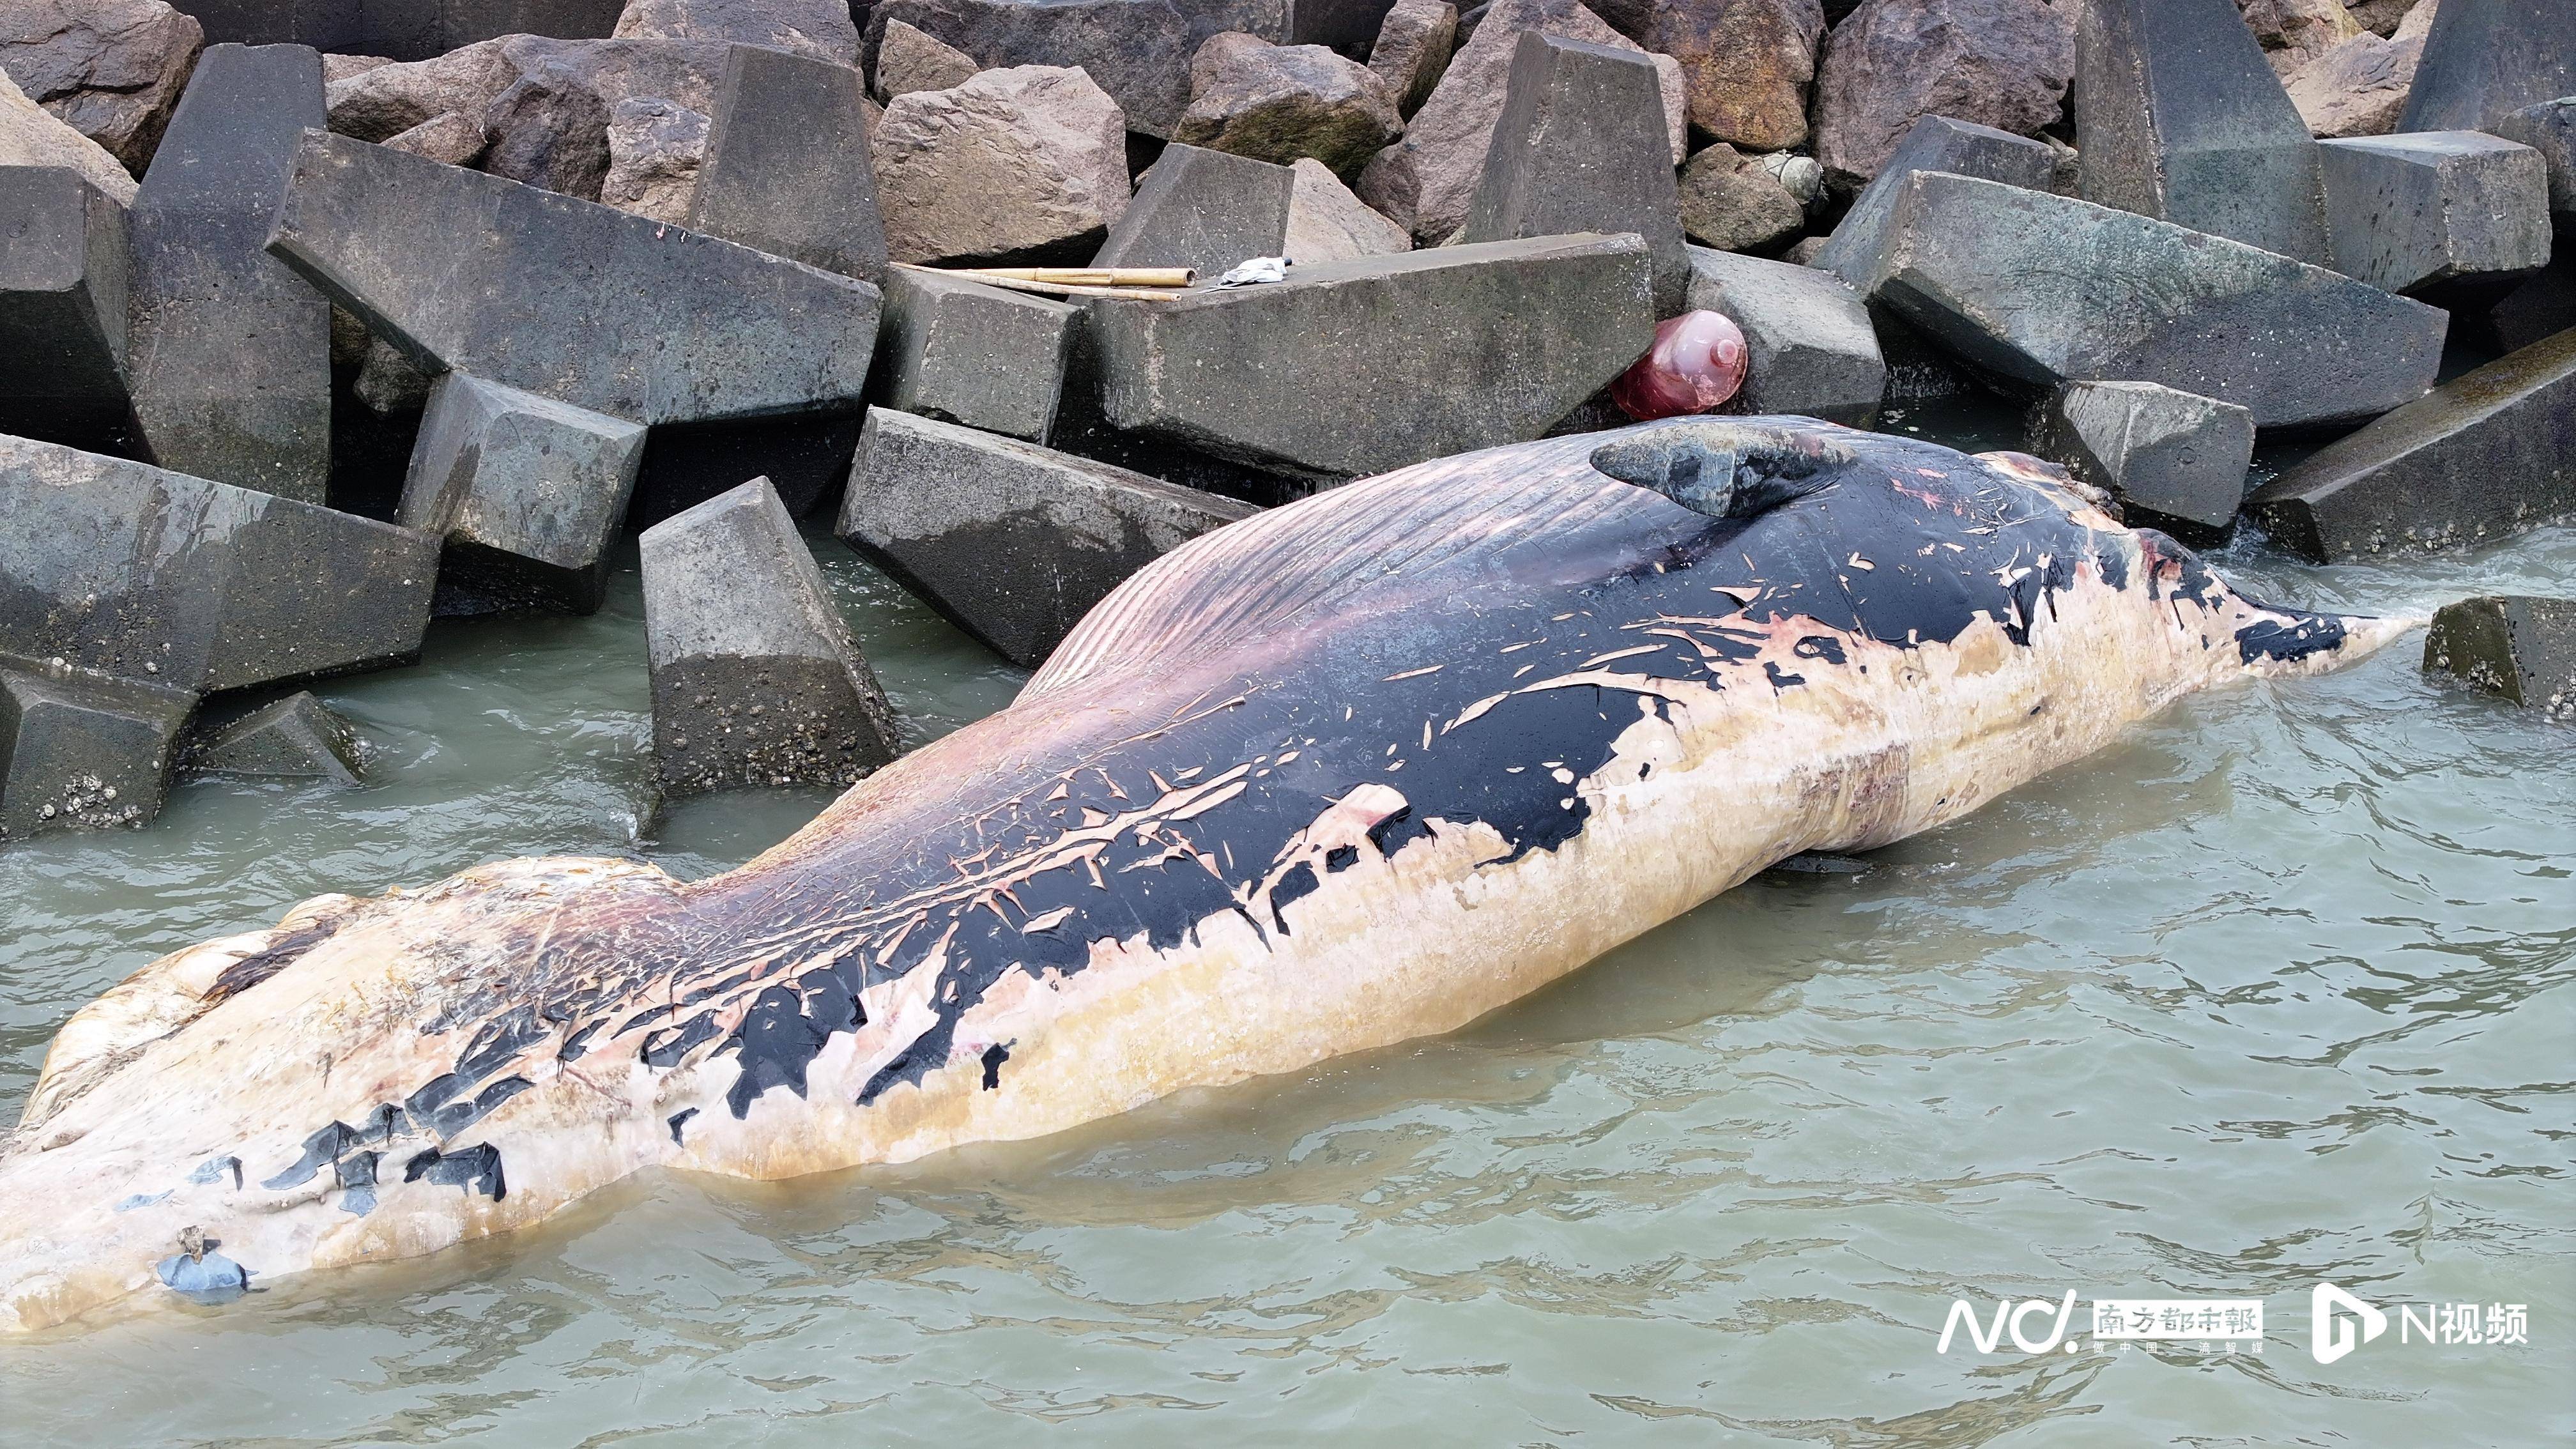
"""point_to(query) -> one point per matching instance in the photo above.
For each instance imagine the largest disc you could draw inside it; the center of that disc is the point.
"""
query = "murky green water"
(2280, 989)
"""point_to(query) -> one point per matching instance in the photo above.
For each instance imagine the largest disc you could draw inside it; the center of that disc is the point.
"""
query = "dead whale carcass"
(1355, 770)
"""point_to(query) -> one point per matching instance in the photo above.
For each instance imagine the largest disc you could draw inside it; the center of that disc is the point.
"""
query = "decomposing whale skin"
(1355, 770)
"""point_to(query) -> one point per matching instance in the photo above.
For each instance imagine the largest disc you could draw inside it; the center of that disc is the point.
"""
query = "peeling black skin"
(475, 1169)
(2288, 643)
(785, 947)
(257, 967)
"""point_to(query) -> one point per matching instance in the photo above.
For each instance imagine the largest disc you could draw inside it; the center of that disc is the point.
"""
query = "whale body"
(1355, 770)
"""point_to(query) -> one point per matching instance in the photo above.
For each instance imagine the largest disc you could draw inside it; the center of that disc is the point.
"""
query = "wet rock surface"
(410, 31)
(230, 354)
(2169, 453)
(2046, 289)
(2485, 59)
(789, 169)
(526, 493)
(755, 681)
(295, 738)
(64, 265)
(2520, 648)
(2484, 456)
(81, 749)
(1575, 151)
(584, 303)
(2444, 215)
(1012, 542)
(1857, 247)
(1202, 209)
(1400, 358)
(986, 357)
(1812, 350)
(1425, 181)
(259, 590)
(2184, 121)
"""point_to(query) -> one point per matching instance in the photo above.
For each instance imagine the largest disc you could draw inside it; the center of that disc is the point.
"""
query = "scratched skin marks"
(1447, 664)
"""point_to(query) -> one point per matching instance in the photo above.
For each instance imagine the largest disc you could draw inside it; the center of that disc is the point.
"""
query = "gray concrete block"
(80, 749)
(1857, 249)
(1579, 149)
(755, 680)
(2486, 455)
(2170, 453)
(230, 364)
(2519, 647)
(63, 268)
(1811, 350)
(566, 298)
(2182, 119)
(2485, 59)
(2540, 307)
(2550, 129)
(982, 356)
(1202, 209)
(804, 458)
(789, 169)
(1014, 543)
(1354, 367)
(527, 494)
(2042, 290)
(2450, 216)
(120, 566)
(296, 738)
(401, 29)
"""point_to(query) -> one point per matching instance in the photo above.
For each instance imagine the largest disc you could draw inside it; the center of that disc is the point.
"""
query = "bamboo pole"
(1057, 289)
(1093, 276)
